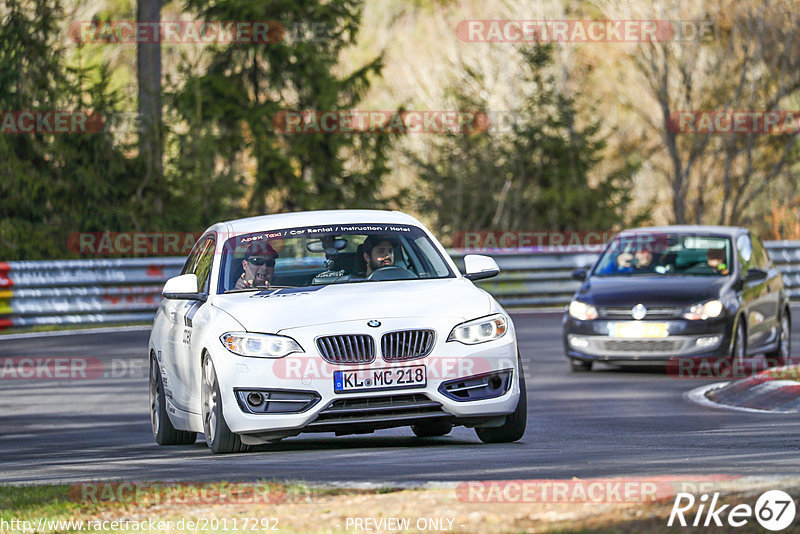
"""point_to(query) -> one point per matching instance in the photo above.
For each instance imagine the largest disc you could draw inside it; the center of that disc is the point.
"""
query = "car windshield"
(332, 254)
(646, 253)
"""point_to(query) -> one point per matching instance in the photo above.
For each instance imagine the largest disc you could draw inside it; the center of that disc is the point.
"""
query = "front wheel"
(514, 427)
(219, 437)
(579, 366)
(738, 350)
(782, 355)
(163, 431)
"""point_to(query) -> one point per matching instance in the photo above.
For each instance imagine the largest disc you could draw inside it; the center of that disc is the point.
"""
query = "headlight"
(582, 311)
(259, 345)
(480, 330)
(704, 310)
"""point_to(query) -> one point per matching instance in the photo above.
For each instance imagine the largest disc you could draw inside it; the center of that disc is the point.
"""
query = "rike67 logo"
(774, 510)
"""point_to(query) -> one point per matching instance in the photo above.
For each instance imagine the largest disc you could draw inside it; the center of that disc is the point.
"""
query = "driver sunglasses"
(255, 260)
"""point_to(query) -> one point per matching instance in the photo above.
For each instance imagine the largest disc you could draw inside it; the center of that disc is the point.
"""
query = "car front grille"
(348, 348)
(406, 344)
(652, 313)
(377, 410)
(641, 345)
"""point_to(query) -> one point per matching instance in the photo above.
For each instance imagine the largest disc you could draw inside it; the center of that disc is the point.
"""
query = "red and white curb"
(757, 394)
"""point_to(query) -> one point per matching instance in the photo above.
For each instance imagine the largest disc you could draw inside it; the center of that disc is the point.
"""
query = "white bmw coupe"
(330, 321)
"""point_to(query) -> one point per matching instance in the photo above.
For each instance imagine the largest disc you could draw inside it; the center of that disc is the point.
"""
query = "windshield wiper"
(265, 288)
(336, 280)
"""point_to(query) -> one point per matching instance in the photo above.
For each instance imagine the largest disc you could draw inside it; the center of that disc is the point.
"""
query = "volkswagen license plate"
(639, 330)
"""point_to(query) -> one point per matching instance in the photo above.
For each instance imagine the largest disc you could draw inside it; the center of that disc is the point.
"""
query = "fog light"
(578, 342)
(495, 382)
(255, 399)
(479, 387)
(258, 401)
(707, 341)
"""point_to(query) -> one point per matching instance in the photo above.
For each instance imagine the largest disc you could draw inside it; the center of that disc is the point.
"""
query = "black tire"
(579, 366)
(430, 429)
(163, 431)
(738, 355)
(219, 437)
(782, 355)
(514, 427)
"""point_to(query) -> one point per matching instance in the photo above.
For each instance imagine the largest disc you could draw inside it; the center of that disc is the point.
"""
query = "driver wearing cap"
(259, 266)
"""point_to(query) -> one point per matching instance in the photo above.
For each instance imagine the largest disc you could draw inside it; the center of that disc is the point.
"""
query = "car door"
(173, 330)
(769, 304)
(755, 297)
(180, 364)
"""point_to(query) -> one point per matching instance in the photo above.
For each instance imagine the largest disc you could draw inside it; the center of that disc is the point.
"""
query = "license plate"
(374, 379)
(639, 330)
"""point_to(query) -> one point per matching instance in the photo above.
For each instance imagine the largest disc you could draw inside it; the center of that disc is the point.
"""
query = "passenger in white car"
(259, 266)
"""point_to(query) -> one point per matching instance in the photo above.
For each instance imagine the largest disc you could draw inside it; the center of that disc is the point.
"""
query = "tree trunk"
(148, 63)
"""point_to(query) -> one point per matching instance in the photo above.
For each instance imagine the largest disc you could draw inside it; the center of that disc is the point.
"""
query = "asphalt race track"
(606, 423)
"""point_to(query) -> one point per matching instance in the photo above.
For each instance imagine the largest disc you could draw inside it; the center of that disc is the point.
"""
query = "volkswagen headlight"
(259, 345)
(582, 311)
(703, 311)
(480, 330)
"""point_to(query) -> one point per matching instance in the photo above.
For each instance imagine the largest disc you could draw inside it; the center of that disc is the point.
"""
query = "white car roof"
(315, 218)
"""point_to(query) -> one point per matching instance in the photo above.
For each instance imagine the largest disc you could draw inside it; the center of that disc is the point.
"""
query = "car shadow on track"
(359, 442)
(303, 443)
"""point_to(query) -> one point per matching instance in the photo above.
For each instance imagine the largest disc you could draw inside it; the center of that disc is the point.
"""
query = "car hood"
(653, 290)
(273, 310)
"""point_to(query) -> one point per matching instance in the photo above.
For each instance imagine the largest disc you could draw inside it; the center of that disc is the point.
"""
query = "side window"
(205, 260)
(745, 251)
(188, 267)
(760, 255)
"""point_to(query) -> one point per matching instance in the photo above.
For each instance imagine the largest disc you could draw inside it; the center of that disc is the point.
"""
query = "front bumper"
(593, 341)
(308, 372)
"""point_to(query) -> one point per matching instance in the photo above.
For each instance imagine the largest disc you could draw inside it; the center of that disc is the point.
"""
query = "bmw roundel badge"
(374, 324)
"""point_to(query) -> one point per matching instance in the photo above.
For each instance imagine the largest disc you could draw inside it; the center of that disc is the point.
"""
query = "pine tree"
(529, 171)
(54, 184)
(232, 109)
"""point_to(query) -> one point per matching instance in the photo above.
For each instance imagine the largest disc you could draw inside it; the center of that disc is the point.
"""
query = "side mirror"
(579, 274)
(479, 267)
(755, 275)
(183, 287)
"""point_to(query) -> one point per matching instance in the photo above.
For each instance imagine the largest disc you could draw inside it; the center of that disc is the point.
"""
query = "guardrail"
(34, 293)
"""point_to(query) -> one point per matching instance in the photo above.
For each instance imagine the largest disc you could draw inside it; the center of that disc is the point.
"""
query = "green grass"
(32, 502)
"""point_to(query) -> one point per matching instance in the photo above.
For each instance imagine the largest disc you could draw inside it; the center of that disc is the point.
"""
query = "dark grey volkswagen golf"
(674, 292)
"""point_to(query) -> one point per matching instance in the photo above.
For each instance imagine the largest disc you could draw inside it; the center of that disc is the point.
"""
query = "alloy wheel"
(210, 400)
(155, 401)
